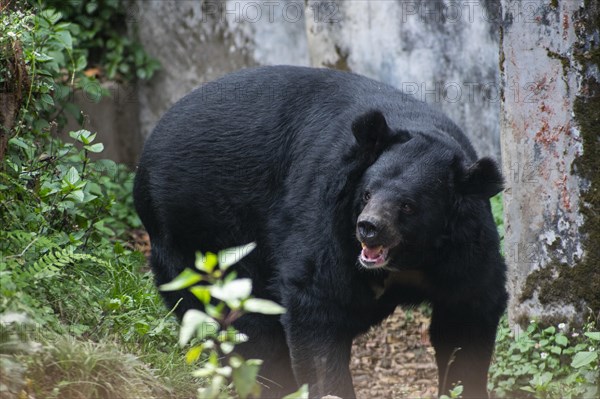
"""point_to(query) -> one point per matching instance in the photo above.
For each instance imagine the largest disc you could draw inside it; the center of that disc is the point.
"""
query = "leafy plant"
(66, 256)
(225, 299)
(549, 362)
(104, 38)
(454, 393)
(48, 50)
(65, 259)
(498, 214)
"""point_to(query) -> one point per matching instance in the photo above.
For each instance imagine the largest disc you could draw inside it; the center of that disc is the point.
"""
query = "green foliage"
(454, 393)
(498, 214)
(54, 66)
(225, 299)
(550, 362)
(61, 44)
(66, 260)
(102, 31)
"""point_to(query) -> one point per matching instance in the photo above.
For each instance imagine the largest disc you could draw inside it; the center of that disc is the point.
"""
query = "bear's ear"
(482, 179)
(372, 131)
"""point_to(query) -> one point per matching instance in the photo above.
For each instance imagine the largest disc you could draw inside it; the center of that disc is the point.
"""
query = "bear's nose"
(367, 229)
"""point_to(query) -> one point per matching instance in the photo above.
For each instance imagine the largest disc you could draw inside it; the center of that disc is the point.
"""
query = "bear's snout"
(368, 229)
(373, 230)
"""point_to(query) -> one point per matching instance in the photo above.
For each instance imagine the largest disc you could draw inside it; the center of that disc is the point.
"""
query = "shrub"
(550, 362)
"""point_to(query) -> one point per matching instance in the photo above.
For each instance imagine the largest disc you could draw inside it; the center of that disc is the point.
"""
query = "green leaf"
(91, 6)
(48, 189)
(301, 393)
(233, 336)
(224, 371)
(206, 263)
(204, 372)
(238, 338)
(102, 228)
(214, 311)
(19, 143)
(72, 176)
(244, 379)
(456, 391)
(227, 347)
(561, 340)
(42, 57)
(231, 256)
(118, 248)
(64, 37)
(196, 322)
(595, 335)
(193, 354)
(83, 136)
(550, 330)
(98, 147)
(187, 278)
(234, 290)
(213, 391)
(76, 195)
(51, 15)
(201, 292)
(46, 98)
(264, 306)
(583, 359)
(81, 63)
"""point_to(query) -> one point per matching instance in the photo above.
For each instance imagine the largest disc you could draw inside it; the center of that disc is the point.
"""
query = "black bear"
(359, 198)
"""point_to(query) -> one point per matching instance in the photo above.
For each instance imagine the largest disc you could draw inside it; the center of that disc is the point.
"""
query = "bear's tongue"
(373, 256)
(372, 253)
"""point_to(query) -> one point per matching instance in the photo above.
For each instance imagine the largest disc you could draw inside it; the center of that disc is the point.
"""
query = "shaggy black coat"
(291, 158)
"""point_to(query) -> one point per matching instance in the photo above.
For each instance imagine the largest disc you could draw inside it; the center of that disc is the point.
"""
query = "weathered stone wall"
(551, 155)
(198, 41)
(443, 52)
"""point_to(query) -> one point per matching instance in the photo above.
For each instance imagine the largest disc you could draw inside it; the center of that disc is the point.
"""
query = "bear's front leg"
(463, 336)
(320, 353)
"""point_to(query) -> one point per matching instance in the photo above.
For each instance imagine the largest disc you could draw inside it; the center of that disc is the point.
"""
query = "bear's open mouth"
(373, 257)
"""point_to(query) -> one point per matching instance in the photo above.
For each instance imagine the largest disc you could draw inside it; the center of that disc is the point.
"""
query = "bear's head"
(410, 195)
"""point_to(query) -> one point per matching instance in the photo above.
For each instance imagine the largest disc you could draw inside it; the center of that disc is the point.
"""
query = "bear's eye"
(367, 196)
(407, 208)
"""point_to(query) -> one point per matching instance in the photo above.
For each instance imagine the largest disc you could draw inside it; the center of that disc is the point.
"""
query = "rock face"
(551, 155)
(443, 52)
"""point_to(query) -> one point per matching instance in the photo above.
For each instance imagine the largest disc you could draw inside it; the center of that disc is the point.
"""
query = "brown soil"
(395, 359)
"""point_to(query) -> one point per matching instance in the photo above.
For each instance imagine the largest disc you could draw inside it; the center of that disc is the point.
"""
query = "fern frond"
(52, 264)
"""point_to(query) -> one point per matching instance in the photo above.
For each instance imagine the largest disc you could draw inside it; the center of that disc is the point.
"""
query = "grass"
(105, 333)
(71, 368)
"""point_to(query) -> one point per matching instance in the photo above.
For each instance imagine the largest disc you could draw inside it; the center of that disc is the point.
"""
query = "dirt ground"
(395, 359)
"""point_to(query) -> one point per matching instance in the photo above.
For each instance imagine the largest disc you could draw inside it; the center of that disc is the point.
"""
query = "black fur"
(283, 156)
